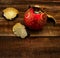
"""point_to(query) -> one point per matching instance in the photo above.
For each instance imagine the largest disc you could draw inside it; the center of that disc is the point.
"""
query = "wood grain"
(40, 44)
(28, 1)
(29, 47)
(53, 10)
(48, 30)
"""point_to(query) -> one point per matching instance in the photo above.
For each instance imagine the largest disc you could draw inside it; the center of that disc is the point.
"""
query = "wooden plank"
(29, 43)
(48, 31)
(6, 29)
(12, 47)
(29, 1)
(50, 9)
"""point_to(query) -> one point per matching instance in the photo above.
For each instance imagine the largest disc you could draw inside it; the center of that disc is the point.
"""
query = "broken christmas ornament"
(35, 18)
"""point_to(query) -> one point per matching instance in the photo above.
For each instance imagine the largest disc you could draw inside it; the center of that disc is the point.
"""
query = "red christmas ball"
(35, 19)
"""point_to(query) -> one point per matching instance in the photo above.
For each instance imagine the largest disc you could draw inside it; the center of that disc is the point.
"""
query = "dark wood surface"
(41, 44)
(13, 47)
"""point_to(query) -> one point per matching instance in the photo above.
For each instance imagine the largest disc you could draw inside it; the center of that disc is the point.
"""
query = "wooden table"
(42, 44)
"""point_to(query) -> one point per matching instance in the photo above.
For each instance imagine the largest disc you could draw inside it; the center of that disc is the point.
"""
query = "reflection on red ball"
(34, 20)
